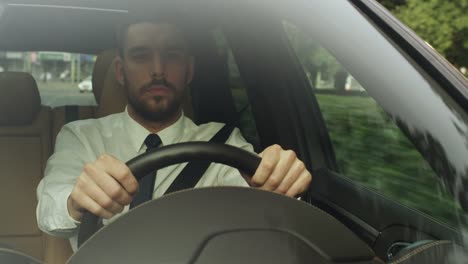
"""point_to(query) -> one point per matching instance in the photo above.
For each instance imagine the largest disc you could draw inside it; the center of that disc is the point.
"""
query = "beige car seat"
(25, 145)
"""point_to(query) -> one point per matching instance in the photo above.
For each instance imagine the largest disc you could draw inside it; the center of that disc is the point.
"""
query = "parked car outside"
(65, 75)
(86, 85)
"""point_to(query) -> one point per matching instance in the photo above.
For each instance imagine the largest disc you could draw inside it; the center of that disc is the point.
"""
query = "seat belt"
(194, 170)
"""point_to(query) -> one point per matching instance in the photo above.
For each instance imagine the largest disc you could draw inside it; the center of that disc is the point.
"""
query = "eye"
(140, 56)
(173, 55)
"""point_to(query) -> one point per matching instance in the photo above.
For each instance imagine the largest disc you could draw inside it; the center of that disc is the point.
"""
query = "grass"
(371, 150)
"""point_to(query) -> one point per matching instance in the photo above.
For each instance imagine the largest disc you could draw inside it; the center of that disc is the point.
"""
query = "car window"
(239, 92)
(369, 147)
(62, 78)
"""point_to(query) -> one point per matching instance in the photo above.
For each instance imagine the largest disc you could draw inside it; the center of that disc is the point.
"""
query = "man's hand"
(282, 172)
(103, 188)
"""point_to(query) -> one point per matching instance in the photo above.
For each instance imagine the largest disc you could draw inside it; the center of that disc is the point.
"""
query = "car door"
(381, 127)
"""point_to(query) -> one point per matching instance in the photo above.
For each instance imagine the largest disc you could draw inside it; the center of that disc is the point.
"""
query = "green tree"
(310, 53)
(443, 24)
(392, 4)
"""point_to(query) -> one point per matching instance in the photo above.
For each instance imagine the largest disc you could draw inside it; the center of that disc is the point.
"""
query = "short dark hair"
(122, 29)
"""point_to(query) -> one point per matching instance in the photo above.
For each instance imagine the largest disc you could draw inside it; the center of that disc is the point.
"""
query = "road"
(56, 94)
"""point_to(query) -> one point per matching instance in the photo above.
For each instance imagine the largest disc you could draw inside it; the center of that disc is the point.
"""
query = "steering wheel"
(218, 224)
(165, 156)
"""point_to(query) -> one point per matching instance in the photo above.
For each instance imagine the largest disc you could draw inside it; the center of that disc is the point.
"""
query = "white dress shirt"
(119, 135)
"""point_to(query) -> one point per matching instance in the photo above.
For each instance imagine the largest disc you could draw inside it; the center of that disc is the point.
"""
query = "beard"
(158, 108)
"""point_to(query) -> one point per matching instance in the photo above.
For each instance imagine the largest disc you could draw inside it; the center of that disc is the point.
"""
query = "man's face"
(155, 69)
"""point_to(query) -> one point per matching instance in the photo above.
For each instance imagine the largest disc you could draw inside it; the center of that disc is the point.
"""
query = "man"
(87, 170)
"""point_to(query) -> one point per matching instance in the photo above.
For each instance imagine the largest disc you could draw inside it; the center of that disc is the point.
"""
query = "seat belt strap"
(194, 170)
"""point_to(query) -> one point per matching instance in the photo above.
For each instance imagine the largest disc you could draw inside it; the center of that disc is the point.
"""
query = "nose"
(158, 70)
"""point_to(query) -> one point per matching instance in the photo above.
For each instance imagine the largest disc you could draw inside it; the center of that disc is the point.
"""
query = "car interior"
(31, 128)
(28, 128)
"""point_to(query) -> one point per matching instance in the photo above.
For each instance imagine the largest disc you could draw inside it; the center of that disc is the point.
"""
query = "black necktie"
(145, 192)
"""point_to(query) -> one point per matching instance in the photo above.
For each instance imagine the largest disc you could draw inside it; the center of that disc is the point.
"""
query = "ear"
(190, 70)
(119, 70)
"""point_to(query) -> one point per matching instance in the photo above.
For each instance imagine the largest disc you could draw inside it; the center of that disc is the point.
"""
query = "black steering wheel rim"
(174, 154)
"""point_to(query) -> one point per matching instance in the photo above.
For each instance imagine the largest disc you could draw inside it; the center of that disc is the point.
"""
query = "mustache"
(158, 82)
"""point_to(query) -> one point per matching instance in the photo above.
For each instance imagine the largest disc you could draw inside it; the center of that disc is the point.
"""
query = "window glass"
(62, 78)
(369, 148)
(239, 92)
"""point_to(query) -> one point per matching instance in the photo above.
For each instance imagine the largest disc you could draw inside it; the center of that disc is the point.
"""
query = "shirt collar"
(137, 133)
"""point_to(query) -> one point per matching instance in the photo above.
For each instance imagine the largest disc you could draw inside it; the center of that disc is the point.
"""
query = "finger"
(292, 175)
(108, 183)
(270, 157)
(87, 203)
(300, 185)
(99, 196)
(285, 163)
(120, 172)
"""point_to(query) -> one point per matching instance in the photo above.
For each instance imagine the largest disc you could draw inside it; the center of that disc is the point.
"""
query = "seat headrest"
(101, 67)
(20, 101)
(113, 97)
